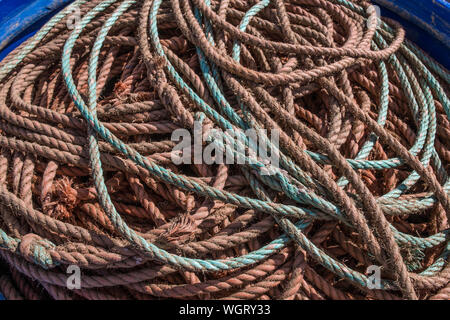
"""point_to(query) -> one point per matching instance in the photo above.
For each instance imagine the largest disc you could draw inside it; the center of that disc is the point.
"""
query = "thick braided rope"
(145, 77)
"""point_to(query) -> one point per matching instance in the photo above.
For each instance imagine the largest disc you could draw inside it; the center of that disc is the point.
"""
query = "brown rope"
(306, 69)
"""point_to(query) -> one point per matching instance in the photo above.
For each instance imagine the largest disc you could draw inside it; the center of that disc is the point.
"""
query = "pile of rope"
(87, 177)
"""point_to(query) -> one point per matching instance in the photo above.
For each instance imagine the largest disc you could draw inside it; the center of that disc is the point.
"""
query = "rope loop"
(36, 249)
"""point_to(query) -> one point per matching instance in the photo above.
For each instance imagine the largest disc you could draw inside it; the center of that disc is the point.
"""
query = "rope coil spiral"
(87, 178)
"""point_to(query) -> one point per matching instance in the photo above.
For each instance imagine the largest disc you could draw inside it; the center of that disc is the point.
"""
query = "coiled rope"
(87, 177)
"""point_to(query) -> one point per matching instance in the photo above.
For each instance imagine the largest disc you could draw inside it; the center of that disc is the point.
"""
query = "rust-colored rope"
(87, 176)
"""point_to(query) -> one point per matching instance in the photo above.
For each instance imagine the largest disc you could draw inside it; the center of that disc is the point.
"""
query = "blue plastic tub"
(427, 23)
(20, 19)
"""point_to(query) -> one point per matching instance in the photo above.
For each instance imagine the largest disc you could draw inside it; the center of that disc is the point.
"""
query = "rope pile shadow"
(87, 177)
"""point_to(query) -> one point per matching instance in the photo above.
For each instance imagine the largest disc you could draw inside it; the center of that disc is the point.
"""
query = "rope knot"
(35, 249)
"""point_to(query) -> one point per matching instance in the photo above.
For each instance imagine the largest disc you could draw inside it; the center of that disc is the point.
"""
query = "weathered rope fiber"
(87, 177)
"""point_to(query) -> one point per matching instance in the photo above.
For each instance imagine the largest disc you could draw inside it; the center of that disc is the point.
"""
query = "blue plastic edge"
(427, 23)
(21, 19)
(431, 15)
